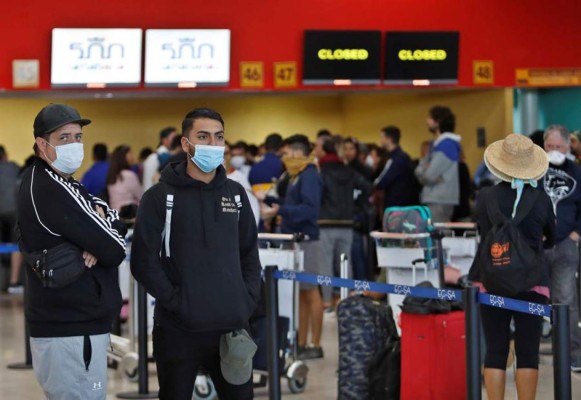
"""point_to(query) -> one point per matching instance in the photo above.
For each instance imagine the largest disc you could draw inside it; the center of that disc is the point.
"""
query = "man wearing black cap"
(69, 321)
(151, 164)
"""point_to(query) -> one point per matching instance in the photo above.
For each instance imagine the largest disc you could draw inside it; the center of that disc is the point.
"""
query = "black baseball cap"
(53, 116)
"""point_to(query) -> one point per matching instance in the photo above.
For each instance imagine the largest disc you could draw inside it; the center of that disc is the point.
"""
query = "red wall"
(512, 33)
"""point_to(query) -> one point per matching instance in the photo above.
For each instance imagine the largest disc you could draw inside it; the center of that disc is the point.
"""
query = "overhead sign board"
(342, 57)
(187, 57)
(96, 57)
(421, 58)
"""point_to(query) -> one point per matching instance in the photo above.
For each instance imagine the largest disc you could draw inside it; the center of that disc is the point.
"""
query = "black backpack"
(508, 265)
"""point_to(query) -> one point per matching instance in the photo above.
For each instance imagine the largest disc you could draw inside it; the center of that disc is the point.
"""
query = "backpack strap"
(169, 201)
(525, 206)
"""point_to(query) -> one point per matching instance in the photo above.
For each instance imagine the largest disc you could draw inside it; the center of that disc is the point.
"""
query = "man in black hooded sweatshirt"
(195, 250)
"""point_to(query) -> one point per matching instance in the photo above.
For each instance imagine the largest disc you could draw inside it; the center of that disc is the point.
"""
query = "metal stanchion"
(273, 358)
(473, 374)
(27, 364)
(437, 235)
(561, 355)
(143, 392)
(344, 292)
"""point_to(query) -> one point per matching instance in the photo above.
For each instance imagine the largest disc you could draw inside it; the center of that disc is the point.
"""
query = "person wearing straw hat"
(518, 163)
(563, 185)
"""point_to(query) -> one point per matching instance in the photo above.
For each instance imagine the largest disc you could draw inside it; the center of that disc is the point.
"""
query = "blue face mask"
(207, 158)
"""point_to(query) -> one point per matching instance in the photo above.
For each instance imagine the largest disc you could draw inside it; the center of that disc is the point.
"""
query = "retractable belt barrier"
(526, 307)
(7, 248)
(472, 300)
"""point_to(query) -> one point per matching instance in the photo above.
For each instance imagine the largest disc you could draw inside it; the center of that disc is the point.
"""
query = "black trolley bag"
(362, 330)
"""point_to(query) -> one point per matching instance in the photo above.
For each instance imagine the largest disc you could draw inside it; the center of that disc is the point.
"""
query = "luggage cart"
(122, 353)
(461, 242)
(407, 262)
(278, 253)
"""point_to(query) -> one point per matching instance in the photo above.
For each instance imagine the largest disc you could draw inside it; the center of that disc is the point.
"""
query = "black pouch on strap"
(58, 266)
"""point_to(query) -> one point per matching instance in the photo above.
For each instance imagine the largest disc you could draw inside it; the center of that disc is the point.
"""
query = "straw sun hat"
(516, 156)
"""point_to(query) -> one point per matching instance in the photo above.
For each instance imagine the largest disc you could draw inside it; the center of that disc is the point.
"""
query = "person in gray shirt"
(438, 171)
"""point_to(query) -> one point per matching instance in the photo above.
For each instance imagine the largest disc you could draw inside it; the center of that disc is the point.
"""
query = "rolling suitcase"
(433, 356)
(364, 326)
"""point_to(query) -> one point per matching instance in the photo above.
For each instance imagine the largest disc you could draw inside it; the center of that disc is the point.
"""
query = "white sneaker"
(15, 289)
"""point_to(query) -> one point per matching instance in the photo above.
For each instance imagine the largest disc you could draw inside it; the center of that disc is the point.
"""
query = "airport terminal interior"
(381, 91)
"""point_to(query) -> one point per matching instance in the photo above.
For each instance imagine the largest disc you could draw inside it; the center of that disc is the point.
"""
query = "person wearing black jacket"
(519, 163)
(562, 183)
(70, 325)
(205, 272)
(337, 211)
(397, 177)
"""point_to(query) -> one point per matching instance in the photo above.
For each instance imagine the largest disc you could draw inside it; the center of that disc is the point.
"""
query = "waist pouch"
(57, 267)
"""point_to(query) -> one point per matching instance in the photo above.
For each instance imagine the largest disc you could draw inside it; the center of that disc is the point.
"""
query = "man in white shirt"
(151, 163)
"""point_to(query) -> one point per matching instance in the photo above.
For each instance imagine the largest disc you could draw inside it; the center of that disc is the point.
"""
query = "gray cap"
(236, 352)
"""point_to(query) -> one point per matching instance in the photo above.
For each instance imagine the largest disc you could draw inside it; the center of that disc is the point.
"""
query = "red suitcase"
(433, 356)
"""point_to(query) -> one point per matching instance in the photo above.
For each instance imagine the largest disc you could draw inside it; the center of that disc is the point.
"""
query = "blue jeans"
(563, 262)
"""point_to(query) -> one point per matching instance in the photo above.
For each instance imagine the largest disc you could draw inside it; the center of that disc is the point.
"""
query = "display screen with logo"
(187, 57)
(96, 57)
(342, 57)
(421, 58)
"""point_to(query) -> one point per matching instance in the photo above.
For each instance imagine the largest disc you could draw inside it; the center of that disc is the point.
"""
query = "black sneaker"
(310, 353)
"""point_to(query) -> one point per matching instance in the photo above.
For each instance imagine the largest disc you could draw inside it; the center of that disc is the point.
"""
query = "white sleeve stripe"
(380, 177)
(93, 213)
(112, 214)
(34, 204)
(78, 194)
(85, 206)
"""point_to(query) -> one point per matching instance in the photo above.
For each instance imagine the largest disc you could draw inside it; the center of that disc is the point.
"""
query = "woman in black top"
(519, 163)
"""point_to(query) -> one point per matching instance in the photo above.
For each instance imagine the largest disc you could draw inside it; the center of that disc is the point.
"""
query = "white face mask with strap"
(69, 157)
(556, 157)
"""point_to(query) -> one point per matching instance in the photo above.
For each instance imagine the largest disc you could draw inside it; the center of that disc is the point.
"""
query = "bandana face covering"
(296, 165)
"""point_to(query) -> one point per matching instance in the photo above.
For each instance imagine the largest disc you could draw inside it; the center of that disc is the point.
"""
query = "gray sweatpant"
(334, 242)
(563, 262)
(60, 369)
(441, 212)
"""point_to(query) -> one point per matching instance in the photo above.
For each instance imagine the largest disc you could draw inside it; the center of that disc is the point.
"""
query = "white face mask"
(237, 162)
(369, 161)
(69, 157)
(556, 157)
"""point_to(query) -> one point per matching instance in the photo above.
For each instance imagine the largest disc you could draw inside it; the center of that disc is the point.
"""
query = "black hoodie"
(211, 281)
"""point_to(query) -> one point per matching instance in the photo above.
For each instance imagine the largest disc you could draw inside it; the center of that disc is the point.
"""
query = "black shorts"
(527, 335)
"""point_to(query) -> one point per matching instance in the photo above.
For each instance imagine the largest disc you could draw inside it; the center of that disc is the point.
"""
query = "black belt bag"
(57, 267)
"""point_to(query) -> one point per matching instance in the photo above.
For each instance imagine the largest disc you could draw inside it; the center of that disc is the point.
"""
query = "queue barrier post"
(561, 355)
(27, 364)
(273, 364)
(143, 373)
(472, 315)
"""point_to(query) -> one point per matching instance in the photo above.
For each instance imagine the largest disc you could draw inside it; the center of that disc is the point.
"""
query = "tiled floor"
(321, 383)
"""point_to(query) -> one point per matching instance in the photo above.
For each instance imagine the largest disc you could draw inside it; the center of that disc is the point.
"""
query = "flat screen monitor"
(342, 57)
(187, 57)
(96, 58)
(421, 58)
